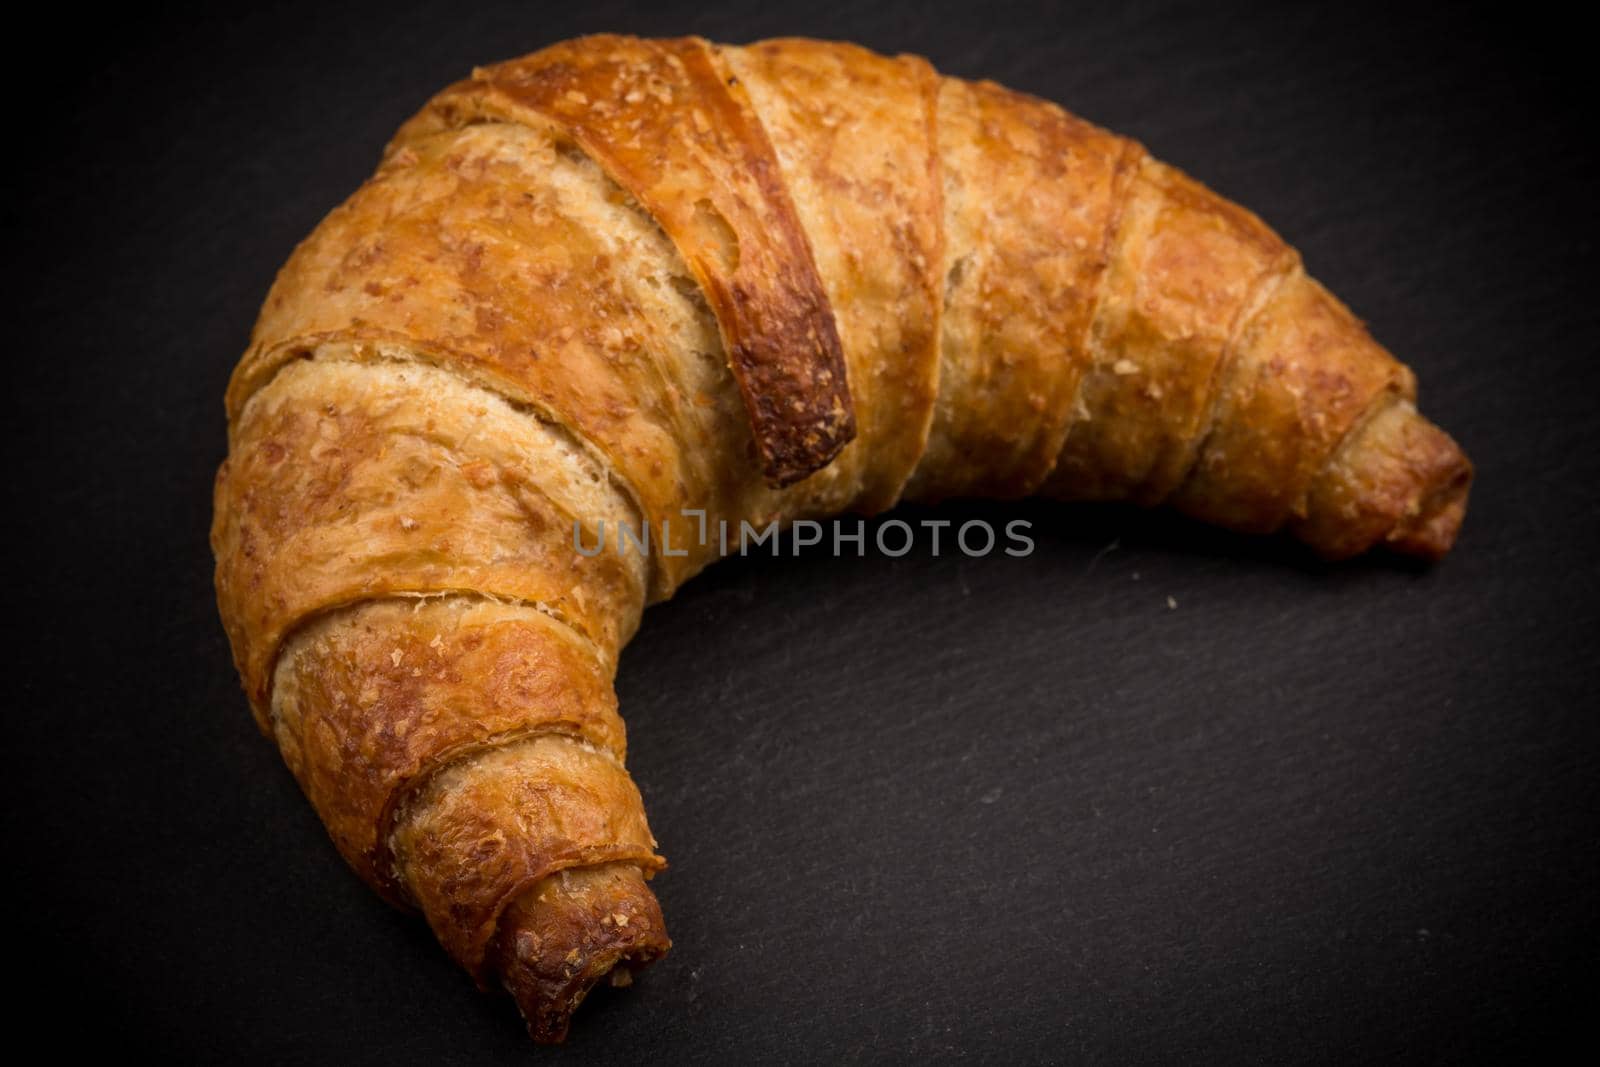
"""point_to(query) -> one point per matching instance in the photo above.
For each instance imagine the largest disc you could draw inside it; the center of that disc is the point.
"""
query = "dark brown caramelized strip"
(701, 164)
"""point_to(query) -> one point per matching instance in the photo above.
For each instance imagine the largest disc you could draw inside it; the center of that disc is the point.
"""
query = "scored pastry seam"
(1129, 160)
(387, 354)
(1262, 290)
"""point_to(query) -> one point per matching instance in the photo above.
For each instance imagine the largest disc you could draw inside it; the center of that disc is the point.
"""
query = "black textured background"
(1005, 808)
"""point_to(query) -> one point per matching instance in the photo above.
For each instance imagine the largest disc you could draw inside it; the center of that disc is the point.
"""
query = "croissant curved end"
(1431, 531)
(1402, 483)
(560, 938)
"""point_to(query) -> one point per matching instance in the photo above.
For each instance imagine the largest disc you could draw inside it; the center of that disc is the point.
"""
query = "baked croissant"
(647, 286)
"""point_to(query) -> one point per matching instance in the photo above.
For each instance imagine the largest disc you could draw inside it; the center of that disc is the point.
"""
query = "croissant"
(656, 286)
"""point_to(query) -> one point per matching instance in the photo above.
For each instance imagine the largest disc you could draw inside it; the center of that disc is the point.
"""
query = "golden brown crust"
(369, 701)
(680, 136)
(1186, 267)
(621, 278)
(346, 483)
(491, 254)
(1031, 196)
(1398, 480)
(489, 827)
(1301, 375)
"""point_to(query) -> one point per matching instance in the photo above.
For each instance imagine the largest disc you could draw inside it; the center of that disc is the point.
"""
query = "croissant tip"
(1402, 486)
(1430, 530)
(560, 938)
